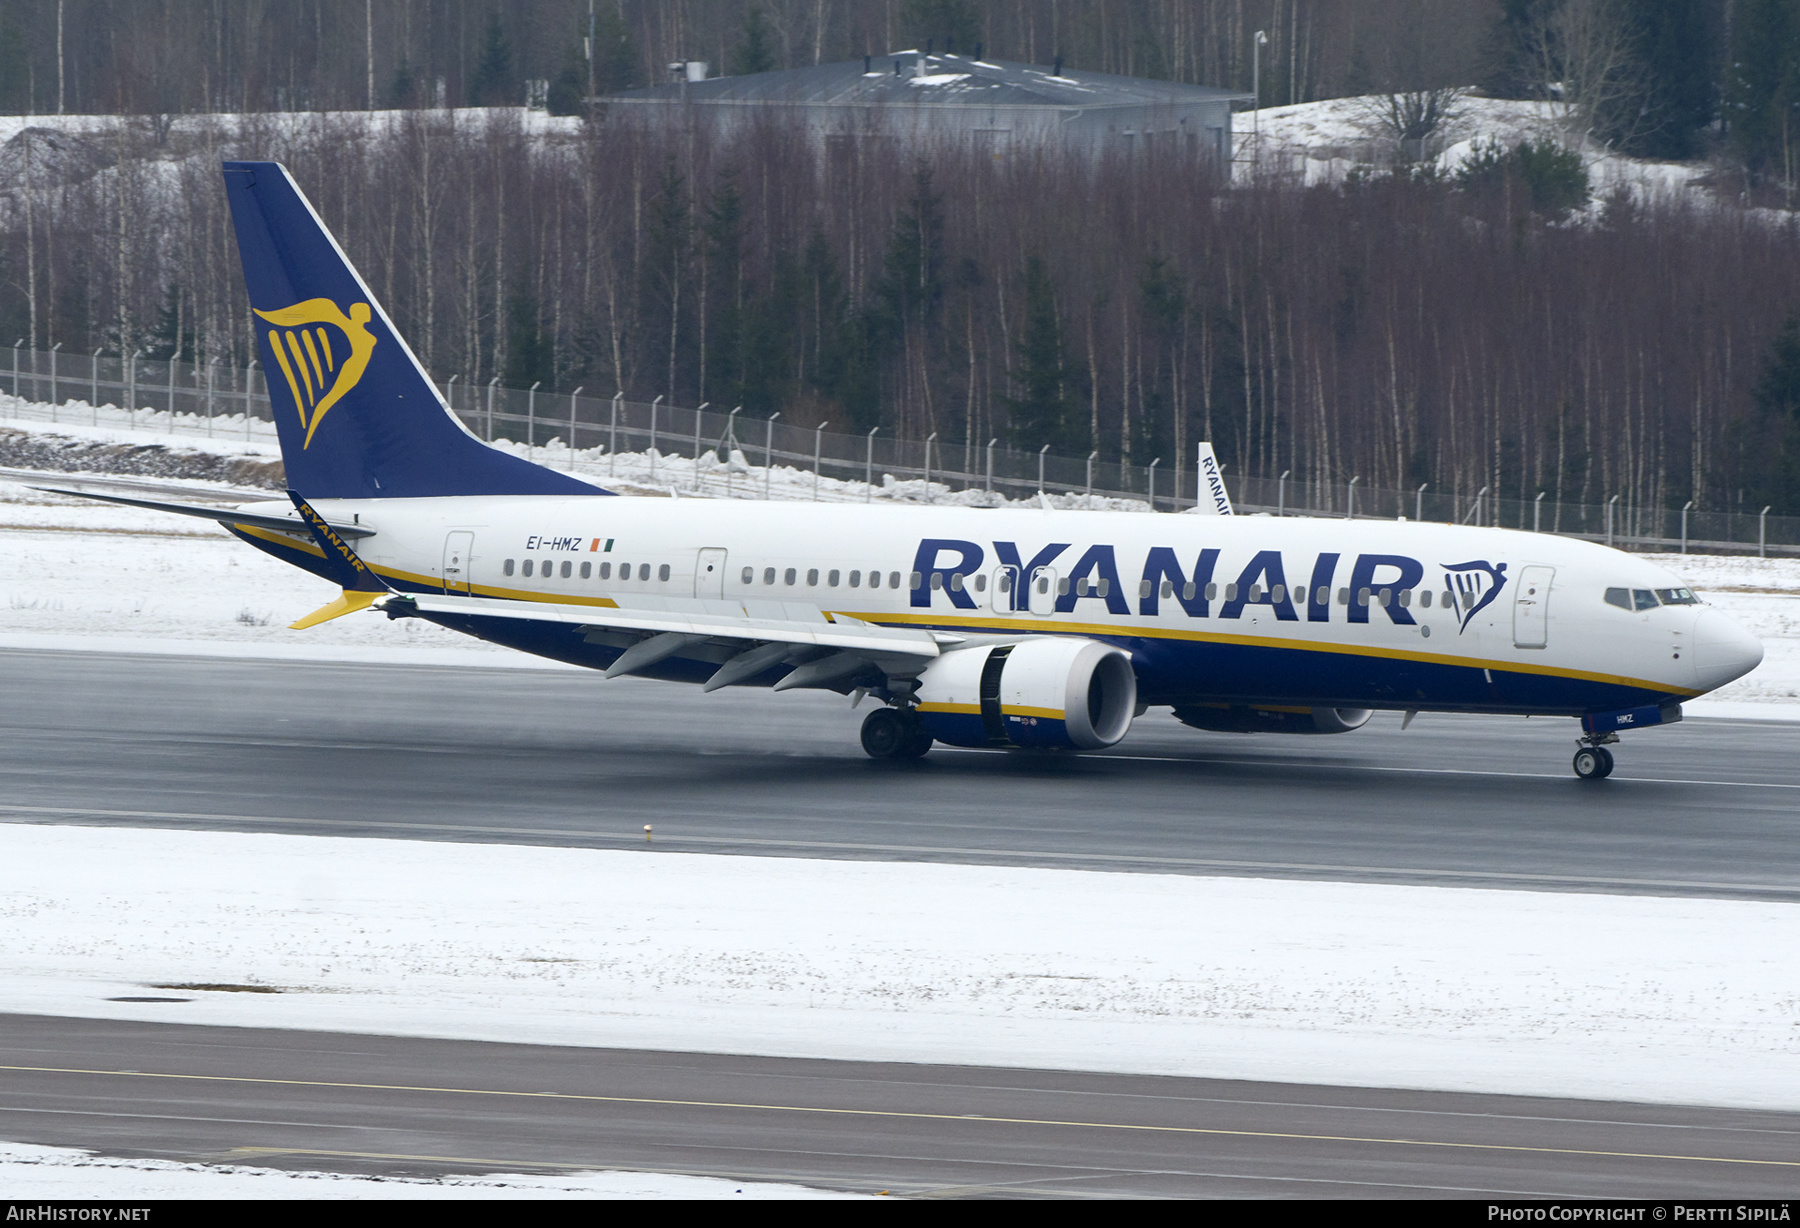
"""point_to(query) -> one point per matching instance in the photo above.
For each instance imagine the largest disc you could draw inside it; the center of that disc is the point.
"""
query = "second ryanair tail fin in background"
(357, 415)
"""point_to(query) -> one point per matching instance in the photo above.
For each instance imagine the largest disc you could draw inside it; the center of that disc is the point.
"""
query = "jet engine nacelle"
(1052, 692)
(1239, 719)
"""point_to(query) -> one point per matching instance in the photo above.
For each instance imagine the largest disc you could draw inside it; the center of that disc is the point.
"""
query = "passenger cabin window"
(587, 570)
(856, 579)
(749, 575)
(789, 576)
(568, 569)
(662, 573)
(643, 571)
(894, 580)
(527, 568)
(506, 568)
(812, 577)
(768, 575)
(606, 571)
(832, 579)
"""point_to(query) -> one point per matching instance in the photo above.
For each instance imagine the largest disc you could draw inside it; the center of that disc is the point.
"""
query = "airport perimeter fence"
(692, 451)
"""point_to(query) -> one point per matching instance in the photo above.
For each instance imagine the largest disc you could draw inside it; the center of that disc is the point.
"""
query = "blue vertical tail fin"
(357, 415)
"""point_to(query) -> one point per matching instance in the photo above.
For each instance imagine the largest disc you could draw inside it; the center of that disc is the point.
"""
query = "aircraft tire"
(885, 734)
(918, 743)
(1593, 763)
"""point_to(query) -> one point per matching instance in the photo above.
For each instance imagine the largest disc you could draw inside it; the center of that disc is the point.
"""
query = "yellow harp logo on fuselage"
(319, 370)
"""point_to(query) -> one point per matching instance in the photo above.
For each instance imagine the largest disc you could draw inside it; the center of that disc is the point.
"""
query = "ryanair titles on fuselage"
(947, 566)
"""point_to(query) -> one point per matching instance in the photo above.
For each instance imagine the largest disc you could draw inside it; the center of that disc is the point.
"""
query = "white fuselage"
(1166, 583)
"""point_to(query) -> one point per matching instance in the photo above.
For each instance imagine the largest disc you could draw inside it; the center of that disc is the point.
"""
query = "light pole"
(531, 421)
(249, 387)
(1256, 45)
(572, 397)
(651, 451)
(697, 414)
(818, 450)
(730, 434)
(869, 467)
(769, 452)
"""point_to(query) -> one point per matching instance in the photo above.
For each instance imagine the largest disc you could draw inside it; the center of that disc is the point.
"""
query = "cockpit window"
(1643, 599)
(1677, 596)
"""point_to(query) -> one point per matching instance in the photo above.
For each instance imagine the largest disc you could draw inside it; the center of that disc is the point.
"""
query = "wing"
(822, 648)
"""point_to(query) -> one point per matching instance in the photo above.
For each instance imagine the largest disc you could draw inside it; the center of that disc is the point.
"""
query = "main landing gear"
(1593, 761)
(894, 733)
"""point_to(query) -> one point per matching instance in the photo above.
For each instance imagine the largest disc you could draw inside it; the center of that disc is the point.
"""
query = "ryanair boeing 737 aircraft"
(975, 627)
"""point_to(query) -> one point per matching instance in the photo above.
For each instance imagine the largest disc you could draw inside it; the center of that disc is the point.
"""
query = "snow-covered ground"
(1685, 1000)
(1322, 142)
(63, 1173)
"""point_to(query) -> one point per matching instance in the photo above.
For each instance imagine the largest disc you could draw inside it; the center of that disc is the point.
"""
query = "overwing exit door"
(709, 573)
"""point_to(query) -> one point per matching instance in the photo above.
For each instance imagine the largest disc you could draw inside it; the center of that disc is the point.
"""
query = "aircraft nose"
(1722, 650)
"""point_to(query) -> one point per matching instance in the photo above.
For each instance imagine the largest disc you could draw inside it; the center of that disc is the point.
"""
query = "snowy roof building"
(914, 95)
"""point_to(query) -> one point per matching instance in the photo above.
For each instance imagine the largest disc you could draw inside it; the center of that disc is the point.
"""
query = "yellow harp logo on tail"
(319, 368)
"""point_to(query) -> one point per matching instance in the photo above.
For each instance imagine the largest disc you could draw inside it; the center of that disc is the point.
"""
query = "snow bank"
(66, 1174)
(1322, 142)
(1683, 1000)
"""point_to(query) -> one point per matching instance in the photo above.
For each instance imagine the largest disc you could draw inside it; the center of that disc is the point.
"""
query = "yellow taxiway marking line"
(896, 1114)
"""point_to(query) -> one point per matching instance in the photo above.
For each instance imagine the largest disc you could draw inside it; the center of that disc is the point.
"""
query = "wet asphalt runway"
(404, 1106)
(565, 758)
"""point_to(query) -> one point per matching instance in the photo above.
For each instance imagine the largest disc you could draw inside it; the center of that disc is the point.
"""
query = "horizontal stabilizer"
(224, 515)
(348, 602)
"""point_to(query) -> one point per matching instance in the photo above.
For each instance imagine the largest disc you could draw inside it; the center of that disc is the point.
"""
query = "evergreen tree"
(1763, 92)
(945, 24)
(405, 87)
(724, 232)
(1511, 68)
(663, 278)
(615, 58)
(1163, 301)
(1675, 44)
(1039, 415)
(1771, 446)
(569, 87)
(755, 51)
(492, 84)
(528, 349)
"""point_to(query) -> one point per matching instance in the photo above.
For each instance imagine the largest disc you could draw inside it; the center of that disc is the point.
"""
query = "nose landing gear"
(1593, 761)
